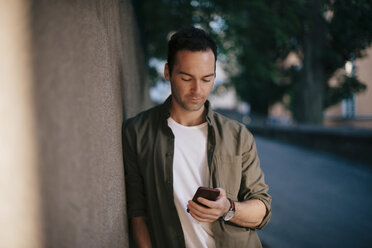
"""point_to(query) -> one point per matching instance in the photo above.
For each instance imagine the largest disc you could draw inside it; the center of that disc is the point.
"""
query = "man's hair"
(190, 39)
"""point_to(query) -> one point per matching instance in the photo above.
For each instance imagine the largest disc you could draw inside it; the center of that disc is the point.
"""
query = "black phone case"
(207, 193)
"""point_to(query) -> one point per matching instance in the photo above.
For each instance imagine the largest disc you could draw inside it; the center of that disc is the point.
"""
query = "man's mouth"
(195, 99)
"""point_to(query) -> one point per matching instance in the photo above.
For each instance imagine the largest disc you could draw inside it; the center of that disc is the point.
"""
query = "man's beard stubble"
(191, 106)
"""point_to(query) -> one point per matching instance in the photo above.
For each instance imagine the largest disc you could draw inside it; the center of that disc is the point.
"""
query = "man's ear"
(166, 72)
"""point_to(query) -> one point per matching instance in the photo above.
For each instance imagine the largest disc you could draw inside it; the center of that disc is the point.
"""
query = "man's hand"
(249, 213)
(216, 208)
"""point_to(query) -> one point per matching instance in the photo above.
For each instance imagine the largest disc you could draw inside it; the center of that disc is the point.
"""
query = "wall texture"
(88, 71)
(19, 191)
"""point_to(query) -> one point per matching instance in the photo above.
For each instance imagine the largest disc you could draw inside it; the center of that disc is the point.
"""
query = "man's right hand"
(140, 232)
(214, 209)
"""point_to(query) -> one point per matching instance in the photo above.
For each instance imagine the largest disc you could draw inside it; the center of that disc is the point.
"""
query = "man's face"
(192, 78)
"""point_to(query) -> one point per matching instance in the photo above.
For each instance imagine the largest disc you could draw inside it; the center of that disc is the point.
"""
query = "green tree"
(261, 36)
(256, 36)
(332, 33)
(324, 34)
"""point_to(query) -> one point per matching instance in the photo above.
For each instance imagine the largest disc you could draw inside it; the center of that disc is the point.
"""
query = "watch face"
(229, 215)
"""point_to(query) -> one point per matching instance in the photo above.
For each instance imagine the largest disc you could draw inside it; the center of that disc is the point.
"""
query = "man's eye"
(208, 79)
(186, 79)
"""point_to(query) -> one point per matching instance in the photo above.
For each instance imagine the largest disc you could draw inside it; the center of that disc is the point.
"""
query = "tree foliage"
(255, 37)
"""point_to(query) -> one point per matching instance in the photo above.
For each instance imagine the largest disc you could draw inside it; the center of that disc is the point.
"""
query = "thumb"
(222, 192)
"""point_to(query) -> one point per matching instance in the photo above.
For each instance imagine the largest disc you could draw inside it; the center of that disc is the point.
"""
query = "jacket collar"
(166, 106)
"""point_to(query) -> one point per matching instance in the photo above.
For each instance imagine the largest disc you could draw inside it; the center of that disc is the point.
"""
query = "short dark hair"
(191, 39)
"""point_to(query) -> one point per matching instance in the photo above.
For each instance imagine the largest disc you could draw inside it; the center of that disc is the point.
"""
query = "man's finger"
(200, 208)
(206, 202)
(203, 213)
(200, 219)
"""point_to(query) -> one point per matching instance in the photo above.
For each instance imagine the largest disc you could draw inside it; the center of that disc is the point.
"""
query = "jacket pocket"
(228, 174)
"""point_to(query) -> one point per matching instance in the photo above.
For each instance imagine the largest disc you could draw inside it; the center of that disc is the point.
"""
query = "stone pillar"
(64, 104)
(20, 215)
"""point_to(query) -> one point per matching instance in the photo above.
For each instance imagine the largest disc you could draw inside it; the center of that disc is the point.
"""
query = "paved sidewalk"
(319, 199)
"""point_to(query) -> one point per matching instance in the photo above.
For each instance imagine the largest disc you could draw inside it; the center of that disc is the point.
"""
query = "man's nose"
(196, 87)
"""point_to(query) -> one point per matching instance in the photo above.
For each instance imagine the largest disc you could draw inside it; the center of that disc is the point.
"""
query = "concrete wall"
(20, 210)
(352, 144)
(86, 74)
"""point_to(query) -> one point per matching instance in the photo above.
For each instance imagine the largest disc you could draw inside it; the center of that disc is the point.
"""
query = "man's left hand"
(215, 209)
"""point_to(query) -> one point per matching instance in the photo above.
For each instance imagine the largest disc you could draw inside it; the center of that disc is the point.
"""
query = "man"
(172, 149)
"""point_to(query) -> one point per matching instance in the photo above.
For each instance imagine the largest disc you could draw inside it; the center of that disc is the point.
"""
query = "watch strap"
(231, 211)
(232, 205)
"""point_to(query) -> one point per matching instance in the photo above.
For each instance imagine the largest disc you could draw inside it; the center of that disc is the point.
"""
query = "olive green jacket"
(148, 147)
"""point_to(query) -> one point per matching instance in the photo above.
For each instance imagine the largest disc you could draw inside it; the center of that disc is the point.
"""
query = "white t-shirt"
(190, 171)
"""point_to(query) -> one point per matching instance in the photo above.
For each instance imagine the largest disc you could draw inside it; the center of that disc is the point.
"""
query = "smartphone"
(207, 193)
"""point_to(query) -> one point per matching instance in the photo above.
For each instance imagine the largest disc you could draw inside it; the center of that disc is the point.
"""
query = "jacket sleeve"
(253, 184)
(133, 179)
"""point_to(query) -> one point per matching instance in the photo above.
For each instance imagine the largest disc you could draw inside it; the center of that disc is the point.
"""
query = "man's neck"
(188, 118)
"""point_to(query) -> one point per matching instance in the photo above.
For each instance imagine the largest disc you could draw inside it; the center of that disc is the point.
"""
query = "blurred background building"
(355, 111)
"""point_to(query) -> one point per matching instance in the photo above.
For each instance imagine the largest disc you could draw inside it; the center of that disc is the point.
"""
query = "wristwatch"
(231, 211)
